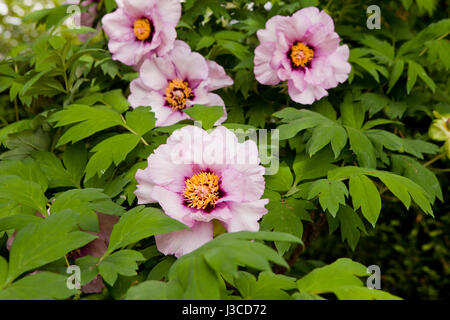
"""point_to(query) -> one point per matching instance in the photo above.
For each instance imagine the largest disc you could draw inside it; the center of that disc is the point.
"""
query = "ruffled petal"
(172, 204)
(118, 26)
(152, 76)
(183, 242)
(217, 78)
(264, 73)
(246, 215)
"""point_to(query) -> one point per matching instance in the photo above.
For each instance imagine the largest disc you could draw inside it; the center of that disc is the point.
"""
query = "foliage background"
(387, 82)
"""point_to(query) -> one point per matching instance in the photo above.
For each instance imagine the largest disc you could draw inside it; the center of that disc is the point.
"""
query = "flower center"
(301, 54)
(178, 93)
(142, 29)
(201, 191)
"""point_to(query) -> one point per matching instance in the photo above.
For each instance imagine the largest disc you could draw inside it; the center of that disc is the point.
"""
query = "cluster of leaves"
(71, 145)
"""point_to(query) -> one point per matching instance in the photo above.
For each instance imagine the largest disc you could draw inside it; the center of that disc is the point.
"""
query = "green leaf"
(93, 119)
(75, 159)
(331, 193)
(365, 195)
(39, 244)
(362, 147)
(414, 70)
(372, 102)
(205, 42)
(26, 169)
(18, 221)
(282, 180)
(141, 120)
(123, 262)
(269, 286)
(208, 116)
(161, 270)
(53, 169)
(324, 134)
(148, 290)
(352, 113)
(351, 225)
(415, 171)
(138, 224)
(116, 100)
(285, 216)
(397, 70)
(297, 120)
(39, 286)
(3, 271)
(340, 278)
(111, 150)
(25, 192)
(317, 166)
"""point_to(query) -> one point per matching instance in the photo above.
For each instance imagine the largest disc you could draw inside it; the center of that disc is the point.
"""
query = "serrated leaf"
(138, 224)
(141, 120)
(331, 194)
(205, 114)
(39, 244)
(365, 195)
(109, 151)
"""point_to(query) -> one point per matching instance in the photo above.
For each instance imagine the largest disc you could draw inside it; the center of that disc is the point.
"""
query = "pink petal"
(239, 187)
(217, 78)
(190, 65)
(246, 215)
(183, 242)
(118, 26)
(170, 11)
(264, 73)
(152, 76)
(172, 204)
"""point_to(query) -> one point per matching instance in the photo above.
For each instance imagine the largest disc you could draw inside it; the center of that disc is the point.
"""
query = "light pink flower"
(197, 178)
(140, 28)
(176, 81)
(303, 50)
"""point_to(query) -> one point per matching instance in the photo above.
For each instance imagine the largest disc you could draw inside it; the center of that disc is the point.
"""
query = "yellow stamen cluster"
(201, 191)
(178, 93)
(301, 54)
(142, 29)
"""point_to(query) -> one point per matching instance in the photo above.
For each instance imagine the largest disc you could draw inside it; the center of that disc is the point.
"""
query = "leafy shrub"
(354, 160)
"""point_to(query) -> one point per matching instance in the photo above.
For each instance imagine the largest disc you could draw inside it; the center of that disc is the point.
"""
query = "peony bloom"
(440, 130)
(303, 50)
(198, 178)
(141, 27)
(177, 81)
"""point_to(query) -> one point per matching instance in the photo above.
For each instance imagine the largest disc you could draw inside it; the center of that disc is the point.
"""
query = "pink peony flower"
(177, 81)
(198, 178)
(141, 27)
(303, 50)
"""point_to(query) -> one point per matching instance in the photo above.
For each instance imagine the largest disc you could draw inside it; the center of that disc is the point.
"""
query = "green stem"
(439, 156)
(132, 131)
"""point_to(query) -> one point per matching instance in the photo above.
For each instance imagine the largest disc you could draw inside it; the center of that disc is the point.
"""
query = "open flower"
(440, 130)
(198, 178)
(141, 27)
(178, 81)
(303, 50)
